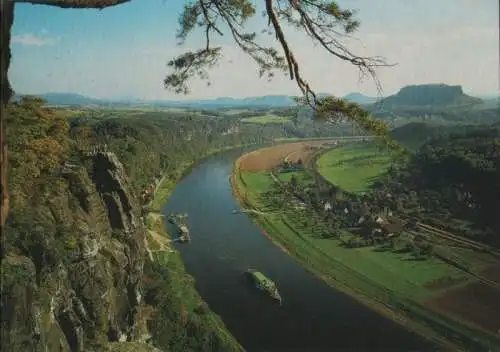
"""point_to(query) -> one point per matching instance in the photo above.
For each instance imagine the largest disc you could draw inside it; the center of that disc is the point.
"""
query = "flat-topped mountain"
(430, 95)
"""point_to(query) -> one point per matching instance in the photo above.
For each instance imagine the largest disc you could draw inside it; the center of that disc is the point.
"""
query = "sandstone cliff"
(73, 283)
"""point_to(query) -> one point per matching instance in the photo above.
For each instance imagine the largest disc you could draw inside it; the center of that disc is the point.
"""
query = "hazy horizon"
(487, 96)
(122, 51)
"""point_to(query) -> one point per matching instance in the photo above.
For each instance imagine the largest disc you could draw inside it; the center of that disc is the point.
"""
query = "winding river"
(314, 317)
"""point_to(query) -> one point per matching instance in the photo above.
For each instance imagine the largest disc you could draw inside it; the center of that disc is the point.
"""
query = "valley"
(261, 176)
(333, 219)
(181, 161)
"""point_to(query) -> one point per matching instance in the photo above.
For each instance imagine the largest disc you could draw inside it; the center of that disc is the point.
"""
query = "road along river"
(314, 317)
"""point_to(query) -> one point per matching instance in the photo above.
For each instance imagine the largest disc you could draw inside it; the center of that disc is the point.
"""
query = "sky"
(121, 52)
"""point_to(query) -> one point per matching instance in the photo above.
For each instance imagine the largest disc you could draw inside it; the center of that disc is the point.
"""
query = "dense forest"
(455, 175)
(413, 135)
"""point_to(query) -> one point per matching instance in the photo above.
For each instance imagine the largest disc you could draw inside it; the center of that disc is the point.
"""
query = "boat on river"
(264, 284)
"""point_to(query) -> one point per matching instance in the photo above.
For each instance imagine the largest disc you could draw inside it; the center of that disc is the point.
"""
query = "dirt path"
(163, 242)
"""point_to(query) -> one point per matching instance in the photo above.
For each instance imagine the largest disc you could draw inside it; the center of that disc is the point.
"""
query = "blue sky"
(122, 51)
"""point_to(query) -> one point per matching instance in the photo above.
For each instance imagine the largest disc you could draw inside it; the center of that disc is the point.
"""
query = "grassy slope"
(353, 168)
(384, 280)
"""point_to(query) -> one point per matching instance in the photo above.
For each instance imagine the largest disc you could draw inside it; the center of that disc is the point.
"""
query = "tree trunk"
(7, 17)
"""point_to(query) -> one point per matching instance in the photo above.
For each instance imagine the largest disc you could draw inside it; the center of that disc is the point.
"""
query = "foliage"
(455, 176)
(38, 144)
(415, 134)
(463, 115)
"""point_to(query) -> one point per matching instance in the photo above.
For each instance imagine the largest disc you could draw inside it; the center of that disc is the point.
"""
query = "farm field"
(430, 296)
(353, 167)
(266, 119)
(231, 112)
(269, 158)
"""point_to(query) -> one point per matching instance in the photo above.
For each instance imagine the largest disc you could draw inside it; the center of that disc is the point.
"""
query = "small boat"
(264, 284)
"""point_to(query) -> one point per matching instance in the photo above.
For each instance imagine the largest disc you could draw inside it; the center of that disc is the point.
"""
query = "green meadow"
(354, 167)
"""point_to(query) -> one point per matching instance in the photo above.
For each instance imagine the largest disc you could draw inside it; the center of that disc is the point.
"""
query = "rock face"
(430, 95)
(75, 284)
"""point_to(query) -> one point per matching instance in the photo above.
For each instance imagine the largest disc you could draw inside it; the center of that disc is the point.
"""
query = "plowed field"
(475, 302)
(268, 158)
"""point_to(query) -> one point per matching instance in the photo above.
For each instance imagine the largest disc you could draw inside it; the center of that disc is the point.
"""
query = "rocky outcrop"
(73, 283)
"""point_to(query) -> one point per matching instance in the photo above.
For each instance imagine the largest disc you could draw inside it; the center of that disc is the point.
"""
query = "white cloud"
(33, 39)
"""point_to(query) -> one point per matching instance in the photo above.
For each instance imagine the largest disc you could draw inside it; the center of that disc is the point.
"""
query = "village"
(371, 221)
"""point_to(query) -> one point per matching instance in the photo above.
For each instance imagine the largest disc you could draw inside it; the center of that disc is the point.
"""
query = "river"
(314, 317)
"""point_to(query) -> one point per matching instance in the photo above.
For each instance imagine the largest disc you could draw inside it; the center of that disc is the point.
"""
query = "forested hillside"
(413, 135)
(455, 180)
(149, 143)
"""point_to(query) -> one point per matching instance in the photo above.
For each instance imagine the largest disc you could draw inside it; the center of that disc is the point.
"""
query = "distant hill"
(70, 99)
(66, 99)
(410, 97)
(360, 98)
(430, 96)
(265, 101)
